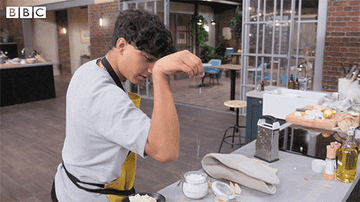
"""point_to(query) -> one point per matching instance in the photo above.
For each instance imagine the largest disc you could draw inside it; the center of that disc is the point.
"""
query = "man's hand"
(179, 62)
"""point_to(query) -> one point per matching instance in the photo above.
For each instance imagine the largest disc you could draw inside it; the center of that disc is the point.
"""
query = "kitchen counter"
(26, 83)
(297, 182)
(18, 65)
(254, 111)
(259, 94)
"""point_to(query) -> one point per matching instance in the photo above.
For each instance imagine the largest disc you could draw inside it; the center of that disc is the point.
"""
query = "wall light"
(63, 30)
(213, 22)
(101, 22)
(199, 22)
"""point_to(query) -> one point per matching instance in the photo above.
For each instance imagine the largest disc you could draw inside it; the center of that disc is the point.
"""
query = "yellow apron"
(128, 168)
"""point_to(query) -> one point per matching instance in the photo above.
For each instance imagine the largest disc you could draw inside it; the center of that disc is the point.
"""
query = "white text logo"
(25, 12)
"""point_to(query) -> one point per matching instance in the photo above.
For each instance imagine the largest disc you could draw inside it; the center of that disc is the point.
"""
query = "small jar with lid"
(195, 185)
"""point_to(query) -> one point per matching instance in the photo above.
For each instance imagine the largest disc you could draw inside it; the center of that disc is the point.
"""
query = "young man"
(102, 123)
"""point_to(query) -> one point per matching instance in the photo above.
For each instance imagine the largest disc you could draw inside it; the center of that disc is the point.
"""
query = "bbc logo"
(25, 12)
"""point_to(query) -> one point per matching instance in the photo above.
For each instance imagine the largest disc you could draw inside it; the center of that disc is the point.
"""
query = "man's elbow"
(168, 158)
(163, 153)
(165, 157)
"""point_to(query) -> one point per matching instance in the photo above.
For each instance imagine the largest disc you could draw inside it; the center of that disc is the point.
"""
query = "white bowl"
(318, 165)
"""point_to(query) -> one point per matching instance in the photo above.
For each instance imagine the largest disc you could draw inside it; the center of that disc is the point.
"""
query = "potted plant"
(202, 34)
(236, 24)
(236, 27)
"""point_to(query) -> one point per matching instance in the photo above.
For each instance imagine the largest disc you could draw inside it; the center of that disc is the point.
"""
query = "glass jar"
(195, 185)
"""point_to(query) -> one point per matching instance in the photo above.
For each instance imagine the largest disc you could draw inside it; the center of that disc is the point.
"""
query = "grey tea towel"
(242, 170)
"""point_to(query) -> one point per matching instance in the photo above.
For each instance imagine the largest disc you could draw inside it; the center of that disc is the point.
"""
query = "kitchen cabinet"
(301, 140)
(26, 83)
(253, 114)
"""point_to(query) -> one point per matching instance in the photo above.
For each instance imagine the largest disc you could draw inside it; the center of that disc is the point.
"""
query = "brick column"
(63, 41)
(101, 36)
(342, 43)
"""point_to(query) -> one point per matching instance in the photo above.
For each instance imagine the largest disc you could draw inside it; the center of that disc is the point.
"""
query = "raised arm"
(163, 139)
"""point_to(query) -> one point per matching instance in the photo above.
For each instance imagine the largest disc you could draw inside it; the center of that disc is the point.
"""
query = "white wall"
(45, 39)
(30, 2)
(102, 1)
(209, 15)
(40, 2)
(77, 21)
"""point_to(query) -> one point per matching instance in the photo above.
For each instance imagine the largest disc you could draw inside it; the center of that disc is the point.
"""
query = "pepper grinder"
(337, 146)
(330, 163)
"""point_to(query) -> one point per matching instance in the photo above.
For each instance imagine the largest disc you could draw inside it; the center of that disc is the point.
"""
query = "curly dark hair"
(145, 30)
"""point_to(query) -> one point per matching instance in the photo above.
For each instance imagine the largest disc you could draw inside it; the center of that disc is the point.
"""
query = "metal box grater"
(267, 143)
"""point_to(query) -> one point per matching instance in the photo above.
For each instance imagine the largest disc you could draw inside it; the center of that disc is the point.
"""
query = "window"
(281, 38)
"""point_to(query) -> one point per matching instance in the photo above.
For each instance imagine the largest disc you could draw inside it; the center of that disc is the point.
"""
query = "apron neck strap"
(112, 73)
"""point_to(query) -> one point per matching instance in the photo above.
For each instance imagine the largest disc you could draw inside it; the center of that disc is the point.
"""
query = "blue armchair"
(212, 71)
(259, 72)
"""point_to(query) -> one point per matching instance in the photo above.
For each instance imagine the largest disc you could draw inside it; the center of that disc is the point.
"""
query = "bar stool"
(237, 104)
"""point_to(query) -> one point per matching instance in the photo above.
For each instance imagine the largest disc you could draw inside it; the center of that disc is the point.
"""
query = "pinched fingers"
(192, 65)
(182, 61)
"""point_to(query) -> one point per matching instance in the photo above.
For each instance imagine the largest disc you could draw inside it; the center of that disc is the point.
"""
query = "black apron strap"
(112, 73)
(102, 189)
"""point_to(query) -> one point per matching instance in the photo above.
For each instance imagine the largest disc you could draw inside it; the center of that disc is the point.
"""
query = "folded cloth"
(242, 170)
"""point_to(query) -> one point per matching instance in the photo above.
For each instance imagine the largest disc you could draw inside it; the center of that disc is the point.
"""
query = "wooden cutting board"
(300, 120)
(338, 119)
(10, 64)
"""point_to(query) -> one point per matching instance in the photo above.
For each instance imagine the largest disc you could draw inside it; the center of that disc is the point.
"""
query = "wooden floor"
(32, 136)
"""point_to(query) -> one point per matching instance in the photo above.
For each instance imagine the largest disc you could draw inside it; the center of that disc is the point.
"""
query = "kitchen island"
(297, 183)
(26, 83)
(254, 112)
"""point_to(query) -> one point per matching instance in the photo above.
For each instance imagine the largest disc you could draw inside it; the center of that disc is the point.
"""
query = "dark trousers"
(53, 194)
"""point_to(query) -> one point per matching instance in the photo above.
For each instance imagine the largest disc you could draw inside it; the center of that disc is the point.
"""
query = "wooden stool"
(236, 128)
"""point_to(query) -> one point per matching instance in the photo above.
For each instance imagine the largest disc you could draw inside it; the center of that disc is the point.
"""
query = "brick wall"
(63, 41)
(224, 21)
(342, 43)
(101, 37)
(14, 26)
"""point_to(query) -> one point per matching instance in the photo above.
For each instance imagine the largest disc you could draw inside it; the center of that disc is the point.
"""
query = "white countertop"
(24, 66)
(259, 94)
(292, 171)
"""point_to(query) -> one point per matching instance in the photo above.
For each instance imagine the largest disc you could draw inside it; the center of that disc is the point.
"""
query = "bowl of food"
(144, 197)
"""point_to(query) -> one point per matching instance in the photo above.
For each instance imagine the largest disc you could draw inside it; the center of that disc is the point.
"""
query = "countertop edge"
(24, 66)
